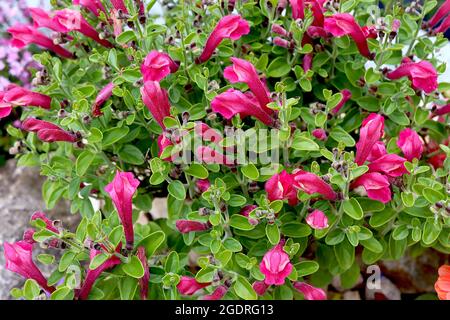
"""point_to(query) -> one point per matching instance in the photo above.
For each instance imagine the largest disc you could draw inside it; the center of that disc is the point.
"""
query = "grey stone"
(20, 197)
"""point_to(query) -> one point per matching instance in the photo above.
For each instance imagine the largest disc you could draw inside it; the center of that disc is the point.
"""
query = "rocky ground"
(20, 196)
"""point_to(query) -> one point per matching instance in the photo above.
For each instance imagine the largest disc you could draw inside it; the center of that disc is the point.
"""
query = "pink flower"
(47, 131)
(276, 28)
(43, 19)
(371, 131)
(72, 20)
(276, 266)
(317, 220)
(317, 32)
(119, 5)
(281, 42)
(444, 26)
(103, 95)
(92, 275)
(346, 95)
(233, 102)
(188, 285)
(19, 96)
(23, 35)
(342, 24)
(443, 10)
(443, 110)
(281, 187)
(370, 32)
(49, 223)
(298, 9)
(307, 61)
(320, 134)
(156, 100)
(207, 133)
(423, 75)
(28, 234)
(95, 6)
(245, 211)
(244, 71)
(157, 65)
(232, 27)
(310, 292)
(202, 185)
(391, 165)
(376, 186)
(185, 226)
(310, 183)
(143, 282)
(260, 287)
(217, 294)
(378, 150)
(19, 259)
(121, 191)
(410, 143)
(5, 107)
(163, 143)
(209, 155)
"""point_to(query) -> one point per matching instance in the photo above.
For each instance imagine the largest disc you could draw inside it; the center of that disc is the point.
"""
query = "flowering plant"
(291, 141)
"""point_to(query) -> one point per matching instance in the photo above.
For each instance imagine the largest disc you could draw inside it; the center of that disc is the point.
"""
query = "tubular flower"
(443, 110)
(442, 285)
(202, 185)
(278, 29)
(376, 186)
(119, 5)
(143, 282)
(209, 155)
(121, 191)
(298, 9)
(43, 19)
(19, 259)
(310, 292)
(346, 95)
(260, 287)
(47, 131)
(103, 95)
(156, 100)
(443, 11)
(157, 65)
(317, 220)
(188, 285)
(378, 150)
(410, 143)
(281, 187)
(185, 226)
(423, 75)
(276, 266)
(244, 71)
(72, 20)
(310, 183)
(320, 134)
(444, 26)
(371, 131)
(95, 6)
(391, 165)
(232, 27)
(217, 294)
(233, 102)
(342, 24)
(19, 96)
(92, 275)
(49, 224)
(23, 35)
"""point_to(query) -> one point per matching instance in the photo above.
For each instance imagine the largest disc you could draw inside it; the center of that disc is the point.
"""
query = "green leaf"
(232, 244)
(125, 37)
(98, 260)
(431, 231)
(372, 244)
(236, 200)
(134, 268)
(380, 218)
(152, 242)
(304, 144)
(244, 289)
(273, 233)
(127, 288)
(345, 254)
(172, 263)
(353, 209)
(177, 190)
(131, 154)
(432, 195)
(240, 222)
(205, 274)
(278, 68)
(31, 289)
(340, 135)
(295, 230)
(197, 170)
(113, 135)
(305, 268)
(334, 237)
(84, 160)
(250, 171)
(62, 293)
